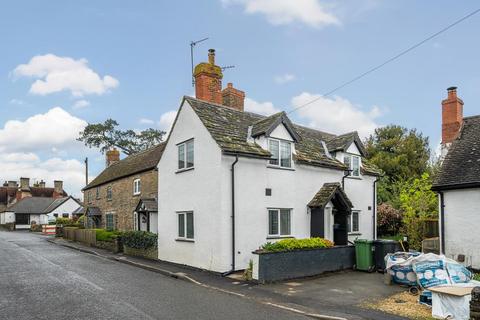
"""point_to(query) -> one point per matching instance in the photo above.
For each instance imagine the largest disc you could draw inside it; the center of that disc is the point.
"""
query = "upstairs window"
(353, 163)
(97, 191)
(185, 155)
(109, 193)
(281, 153)
(136, 187)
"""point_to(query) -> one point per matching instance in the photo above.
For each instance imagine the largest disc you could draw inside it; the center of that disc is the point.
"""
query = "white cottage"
(230, 180)
(458, 183)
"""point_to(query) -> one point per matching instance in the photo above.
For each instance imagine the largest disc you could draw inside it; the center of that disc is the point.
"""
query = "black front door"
(340, 232)
(317, 224)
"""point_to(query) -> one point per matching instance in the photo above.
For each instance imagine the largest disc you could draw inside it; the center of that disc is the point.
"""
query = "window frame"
(278, 159)
(97, 193)
(352, 156)
(350, 222)
(185, 236)
(112, 215)
(109, 193)
(137, 187)
(279, 233)
(185, 145)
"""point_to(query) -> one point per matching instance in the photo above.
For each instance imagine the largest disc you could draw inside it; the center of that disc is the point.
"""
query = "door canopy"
(333, 192)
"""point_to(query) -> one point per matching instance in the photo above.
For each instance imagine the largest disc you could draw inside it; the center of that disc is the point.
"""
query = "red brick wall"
(452, 116)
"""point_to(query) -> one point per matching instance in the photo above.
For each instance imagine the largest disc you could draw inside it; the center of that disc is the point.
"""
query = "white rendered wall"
(198, 190)
(462, 219)
(68, 206)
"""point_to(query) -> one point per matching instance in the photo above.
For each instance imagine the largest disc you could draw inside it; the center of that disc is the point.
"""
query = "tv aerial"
(192, 45)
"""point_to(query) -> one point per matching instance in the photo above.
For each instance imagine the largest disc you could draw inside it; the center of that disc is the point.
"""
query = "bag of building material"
(399, 266)
(431, 270)
(458, 273)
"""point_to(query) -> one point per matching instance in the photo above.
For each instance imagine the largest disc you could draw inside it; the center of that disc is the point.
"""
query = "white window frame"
(279, 154)
(137, 187)
(352, 169)
(350, 222)
(113, 220)
(185, 146)
(279, 233)
(185, 226)
(109, 193)
(97, 193)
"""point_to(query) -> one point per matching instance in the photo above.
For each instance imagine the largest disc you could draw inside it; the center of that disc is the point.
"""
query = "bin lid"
(385, 241)
(363, 241)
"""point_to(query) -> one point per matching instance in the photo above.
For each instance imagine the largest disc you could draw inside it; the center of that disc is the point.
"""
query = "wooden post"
(475, 304)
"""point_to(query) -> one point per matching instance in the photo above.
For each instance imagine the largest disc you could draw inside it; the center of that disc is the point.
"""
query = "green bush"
(81, 219)
(139, 239)
(297, 244)
(476, 277)
(104, 235)
(66, 222)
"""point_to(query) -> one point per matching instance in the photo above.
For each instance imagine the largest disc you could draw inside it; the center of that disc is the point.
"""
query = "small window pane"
(347, 161)
(109, 222)
(273, 147)
(355, 227)
(189, 154)
(109, 193)
(349, 223)
(273, 222)
(285, 222)
(285, 154)
(181, 225)
(181, 156)
(190, 225)
(356, 166)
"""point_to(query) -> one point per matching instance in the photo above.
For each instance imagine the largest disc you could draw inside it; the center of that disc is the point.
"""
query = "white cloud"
(336, 115)
(80, 104)
(264, 108)
(71, 172)
(55, 74)
(146, 121)
(282, 12)
(55, 128)
(284, 78)
(166, 120)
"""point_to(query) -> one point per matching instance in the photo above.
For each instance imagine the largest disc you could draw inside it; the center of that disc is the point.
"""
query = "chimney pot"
(233, 97)
(208, 80)
(211, 56)
(24, 183)
(12, 183)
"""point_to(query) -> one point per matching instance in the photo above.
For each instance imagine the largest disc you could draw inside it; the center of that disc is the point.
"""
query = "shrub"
(104, 235)
(81, 219)
(476, 277)
(297, 244)
(66, 222)
(35, 227)
(389, 219)
(139, 239)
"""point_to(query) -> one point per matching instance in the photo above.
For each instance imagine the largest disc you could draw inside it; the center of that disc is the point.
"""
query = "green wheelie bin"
(364, 255)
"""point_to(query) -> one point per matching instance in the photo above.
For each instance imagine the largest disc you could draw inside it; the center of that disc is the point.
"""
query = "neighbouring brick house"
(124, 195)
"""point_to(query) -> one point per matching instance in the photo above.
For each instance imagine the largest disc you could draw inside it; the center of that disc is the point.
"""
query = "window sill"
(354, 178)
(356, 233)
(136, 194)
(280, 168)
(279, 237)
(183, 170)
(184, 240)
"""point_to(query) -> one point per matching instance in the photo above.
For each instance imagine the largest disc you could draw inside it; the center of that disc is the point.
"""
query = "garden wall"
(150, 253)
(276, 266)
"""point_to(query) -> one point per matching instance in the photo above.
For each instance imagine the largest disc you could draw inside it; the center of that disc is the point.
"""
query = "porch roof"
(147, 204)
(327, 192)
(93, 211)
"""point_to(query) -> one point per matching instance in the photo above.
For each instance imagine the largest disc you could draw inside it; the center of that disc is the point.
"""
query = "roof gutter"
(456, 186)
(233, 216)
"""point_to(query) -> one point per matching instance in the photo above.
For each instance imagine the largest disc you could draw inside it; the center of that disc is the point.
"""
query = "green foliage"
(104, 235)
(36, 227)
(297, 244)
(389, 219)
(140, 239)
(418, 203)
(81, 219)
(476, 277)
(106, 135)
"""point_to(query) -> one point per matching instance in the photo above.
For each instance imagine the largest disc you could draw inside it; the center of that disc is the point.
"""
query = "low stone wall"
(114, 246)
(150, 253)
(277, 266)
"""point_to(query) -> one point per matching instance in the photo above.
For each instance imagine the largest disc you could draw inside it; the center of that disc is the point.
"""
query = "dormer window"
(281, 153)
(353, 163)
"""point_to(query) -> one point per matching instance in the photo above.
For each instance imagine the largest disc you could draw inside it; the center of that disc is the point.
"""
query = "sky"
(64, 64)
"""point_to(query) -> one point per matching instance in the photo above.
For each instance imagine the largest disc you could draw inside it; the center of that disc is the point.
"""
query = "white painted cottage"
(458, 183)
(230, 180)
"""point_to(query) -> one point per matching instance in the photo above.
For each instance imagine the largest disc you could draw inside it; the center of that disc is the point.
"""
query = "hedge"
(139, 239)
(104, 235)
(296, 244)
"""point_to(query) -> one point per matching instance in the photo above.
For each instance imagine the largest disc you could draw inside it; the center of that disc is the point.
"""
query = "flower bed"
(297, 258)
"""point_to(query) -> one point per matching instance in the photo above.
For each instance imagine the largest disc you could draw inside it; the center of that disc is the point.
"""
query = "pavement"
(332, 296)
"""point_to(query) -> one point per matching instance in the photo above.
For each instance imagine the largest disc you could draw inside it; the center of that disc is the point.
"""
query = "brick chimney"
(208, 80)
(57, 188)
(12, 184)
(41, 184)
(233, 98)
(24, 184)
(112, 156)
(452, 118)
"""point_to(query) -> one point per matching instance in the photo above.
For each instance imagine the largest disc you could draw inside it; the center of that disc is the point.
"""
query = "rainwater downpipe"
(375, 209)
(233, 216)
(442, 222)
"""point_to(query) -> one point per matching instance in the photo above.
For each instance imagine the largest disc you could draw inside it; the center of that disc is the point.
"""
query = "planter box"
(276, 266)
(150, 253)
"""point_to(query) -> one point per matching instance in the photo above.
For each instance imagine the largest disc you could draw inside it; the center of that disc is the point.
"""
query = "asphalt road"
(40, 280)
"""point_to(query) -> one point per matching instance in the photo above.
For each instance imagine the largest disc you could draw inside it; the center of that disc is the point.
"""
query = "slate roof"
(147, 204)
(342, 142)
(461, 166)
(229, 128)
(79, 211)
(58, 202)
(139, 162)
(326, 193)
(43, 192)
(32, 205)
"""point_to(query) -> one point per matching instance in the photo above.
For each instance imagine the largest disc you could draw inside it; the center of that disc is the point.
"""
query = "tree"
(106, 135)
(389, 219)
(418, 203)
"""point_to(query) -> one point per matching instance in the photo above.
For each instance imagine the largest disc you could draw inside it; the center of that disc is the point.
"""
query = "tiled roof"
(342, 142)
(326, 193)
(44, 192)
(461, 166)
(58, 202)
(7, 194)
(229, 128)
(147, 204)
(139, 162)
(32, 205)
